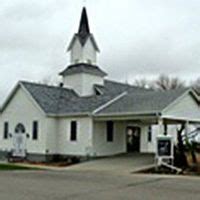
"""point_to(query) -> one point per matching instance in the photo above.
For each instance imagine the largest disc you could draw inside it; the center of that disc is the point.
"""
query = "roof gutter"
(156, 113)
(194, 93)
(69, 114)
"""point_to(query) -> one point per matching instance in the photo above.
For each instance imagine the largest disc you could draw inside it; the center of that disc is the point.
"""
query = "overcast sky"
(137, 38)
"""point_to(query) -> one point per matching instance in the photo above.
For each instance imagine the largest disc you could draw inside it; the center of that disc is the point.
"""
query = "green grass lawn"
(14, 167)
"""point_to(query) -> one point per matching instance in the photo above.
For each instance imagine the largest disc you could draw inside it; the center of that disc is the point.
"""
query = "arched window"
(20, 128)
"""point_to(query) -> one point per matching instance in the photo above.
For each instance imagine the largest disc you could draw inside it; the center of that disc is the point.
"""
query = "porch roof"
(147, 118)
(142, 102)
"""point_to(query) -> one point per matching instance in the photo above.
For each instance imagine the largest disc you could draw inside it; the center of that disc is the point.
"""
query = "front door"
(19, 141)
(133, 139)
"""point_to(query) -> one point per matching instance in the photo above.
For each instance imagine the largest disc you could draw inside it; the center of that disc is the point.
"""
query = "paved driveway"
(125, 163)
(108, 179)
(71, 185)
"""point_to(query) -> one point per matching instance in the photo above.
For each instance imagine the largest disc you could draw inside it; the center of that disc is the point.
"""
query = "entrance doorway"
(19, 141)
(133, 138)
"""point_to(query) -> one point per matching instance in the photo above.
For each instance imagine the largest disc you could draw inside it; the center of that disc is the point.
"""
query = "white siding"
(88, 83)
(83, 54)
(52, 135)
(183, 108)
(144, 144)
(83, 145)
(74, 82)
(101, 146)
(89, 53)
(22, 110)
(76, 52)
(150, 147)
(82, 83)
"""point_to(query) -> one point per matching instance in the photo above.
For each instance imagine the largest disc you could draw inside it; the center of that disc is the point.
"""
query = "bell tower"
(83, 73)
(83, 47)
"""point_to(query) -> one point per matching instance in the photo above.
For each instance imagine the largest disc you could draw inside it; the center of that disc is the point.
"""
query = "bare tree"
(143, 83)
(50, 80)
(196, 85)
(46, 80)
(165, 82)
(181, 157)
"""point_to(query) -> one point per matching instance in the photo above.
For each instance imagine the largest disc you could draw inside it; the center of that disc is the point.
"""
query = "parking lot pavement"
(53, 185)
(124, 163)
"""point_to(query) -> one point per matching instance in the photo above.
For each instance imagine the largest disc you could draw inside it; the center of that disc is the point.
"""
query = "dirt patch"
(55, 163)
(52, 164)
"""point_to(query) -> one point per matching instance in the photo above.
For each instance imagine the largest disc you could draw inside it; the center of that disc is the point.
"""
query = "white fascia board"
(69, 115)
(152, 113)
(94, 43)
(181, 119)
(10, 96)
(196, 96)
(74, 38)
(109, 103)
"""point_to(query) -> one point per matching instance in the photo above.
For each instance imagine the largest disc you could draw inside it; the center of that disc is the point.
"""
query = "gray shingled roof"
(118, 88)
(143, 102)
(63, 101)
(83, 68)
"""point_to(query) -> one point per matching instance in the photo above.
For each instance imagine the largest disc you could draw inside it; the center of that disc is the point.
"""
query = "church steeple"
(83, 47)
(83, 73)
(84, 28)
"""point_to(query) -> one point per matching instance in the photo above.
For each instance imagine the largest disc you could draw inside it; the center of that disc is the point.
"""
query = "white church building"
(88, 114)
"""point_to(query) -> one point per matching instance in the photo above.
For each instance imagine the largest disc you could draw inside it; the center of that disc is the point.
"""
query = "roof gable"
(12, 94)
(184, 107)
(83, 41)
(48, 97)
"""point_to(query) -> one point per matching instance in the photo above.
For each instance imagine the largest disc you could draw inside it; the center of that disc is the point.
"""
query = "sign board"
(164, 147)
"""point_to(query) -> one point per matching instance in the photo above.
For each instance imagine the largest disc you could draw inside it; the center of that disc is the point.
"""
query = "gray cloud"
(138, 38)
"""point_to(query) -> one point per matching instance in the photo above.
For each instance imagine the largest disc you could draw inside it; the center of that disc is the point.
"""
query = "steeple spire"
(83, 47)
(84, 28)
(83, 51)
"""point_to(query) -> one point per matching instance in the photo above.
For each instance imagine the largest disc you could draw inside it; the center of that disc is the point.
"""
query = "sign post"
(164, 149)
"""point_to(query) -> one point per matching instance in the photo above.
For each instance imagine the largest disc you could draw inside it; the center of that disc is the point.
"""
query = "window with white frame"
(149, 134)
(6, 130)
(35, 130)
(73, 131)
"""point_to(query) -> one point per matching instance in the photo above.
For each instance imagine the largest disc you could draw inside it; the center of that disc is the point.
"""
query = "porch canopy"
(180, 106)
